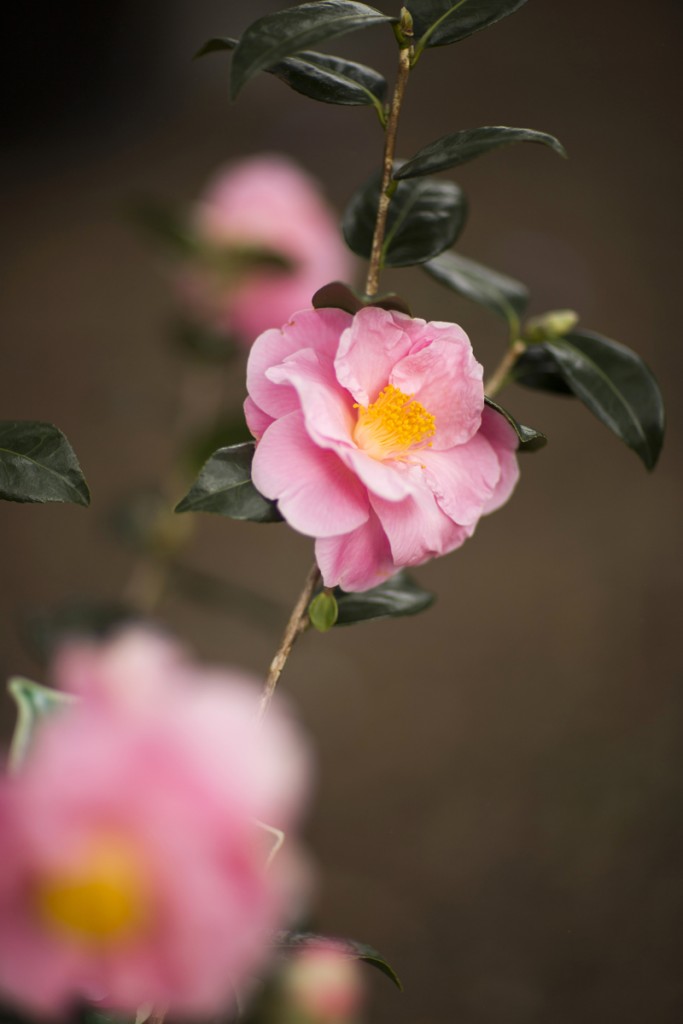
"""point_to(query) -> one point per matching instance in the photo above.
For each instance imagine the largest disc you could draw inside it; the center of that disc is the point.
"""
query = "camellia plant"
(147, 871)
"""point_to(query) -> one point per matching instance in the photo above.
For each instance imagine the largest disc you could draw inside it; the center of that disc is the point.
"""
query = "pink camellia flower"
(136, 868)
(268, 204)
(373, 438)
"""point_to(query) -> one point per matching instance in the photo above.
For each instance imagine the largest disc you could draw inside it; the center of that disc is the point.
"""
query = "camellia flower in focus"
(265, 242)
(136, 868)
(373, 437)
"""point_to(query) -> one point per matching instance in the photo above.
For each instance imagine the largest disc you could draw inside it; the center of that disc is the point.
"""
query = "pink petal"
(463, 478)
(369, 349)
(503, 440)
(315, 492)
(390, 480)
(317, 329)
(447, 380)
(357, 560)
(257, 420)
(418, 529)
(327, 407)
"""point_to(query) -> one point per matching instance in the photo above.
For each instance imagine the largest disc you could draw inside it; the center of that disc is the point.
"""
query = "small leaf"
(339, 296)
(530, 440)
(295, 942)
(34, 703)
(279, 35)
(38, 464)
(323, 611)
(425, 217)
(439, 22)
(398, 596)
(496, 292)
(321, 76)
(224, 486)
(613, 382)
(460, 147)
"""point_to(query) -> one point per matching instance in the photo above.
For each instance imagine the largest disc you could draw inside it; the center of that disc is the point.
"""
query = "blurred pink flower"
(135, 869)
(323, 984)
(266, 203)
(374, 439)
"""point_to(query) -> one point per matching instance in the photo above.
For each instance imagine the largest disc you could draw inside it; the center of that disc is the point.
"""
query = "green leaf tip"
(37, 464)
(462, 146)
(295, 942)
(529, 440)
(224, 487)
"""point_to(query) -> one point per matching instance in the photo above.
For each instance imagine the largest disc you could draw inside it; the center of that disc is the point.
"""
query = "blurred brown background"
(499, 799)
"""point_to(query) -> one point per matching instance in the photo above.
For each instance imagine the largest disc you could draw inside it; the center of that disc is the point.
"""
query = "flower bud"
(548, 326)
(323, 984)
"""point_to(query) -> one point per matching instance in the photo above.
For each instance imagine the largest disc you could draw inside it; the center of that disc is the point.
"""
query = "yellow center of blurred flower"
(393, 424)
(100, 900)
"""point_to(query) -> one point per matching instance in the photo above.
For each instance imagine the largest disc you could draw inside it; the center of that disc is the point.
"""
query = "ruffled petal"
(502, 438)
(446, 379)
(418, 529)
(327, 407)
(463, 478)
(317, 329)
(370, 347)
(357, 560)
(257, 420)
(316, 493)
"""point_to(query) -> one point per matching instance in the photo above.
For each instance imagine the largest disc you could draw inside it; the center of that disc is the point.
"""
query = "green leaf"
(323, 611)
(398, 596)
(497, 292)
(530, 440)
(279, 35)
(460, 147)
(34, 703)
(537, 369)
(439, 22)
(38, 464)
(425, 217)
(611, 380)
(224, 486)
(295, 942)
(221, 433)
(337, 295)
(322, 76)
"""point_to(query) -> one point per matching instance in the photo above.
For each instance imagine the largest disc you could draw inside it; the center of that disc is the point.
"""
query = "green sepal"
(610, 379)
(338, 295)
(37, 464)
(530, 440)
(321, 76)
(397, 596)
(440, 22)
(323, 611)
(273, 37)
(425, 217)
(224, 487)
(460, 147)
(497, 292)
(295, 942)
(34, 704)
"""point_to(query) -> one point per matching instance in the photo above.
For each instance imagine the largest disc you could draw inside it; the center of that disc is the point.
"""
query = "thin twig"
(404, 61)
(499, 377)
(298, 622)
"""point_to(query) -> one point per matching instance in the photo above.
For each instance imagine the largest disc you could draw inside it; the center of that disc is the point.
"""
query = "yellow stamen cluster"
(392, 425)
(101, 900)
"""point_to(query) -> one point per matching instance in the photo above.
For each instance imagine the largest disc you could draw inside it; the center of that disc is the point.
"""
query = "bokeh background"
(499, 802)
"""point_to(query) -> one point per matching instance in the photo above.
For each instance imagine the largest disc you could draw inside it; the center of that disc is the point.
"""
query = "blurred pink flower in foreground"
(374, 438)
(135, 869)
(269, 204)
(322, 983)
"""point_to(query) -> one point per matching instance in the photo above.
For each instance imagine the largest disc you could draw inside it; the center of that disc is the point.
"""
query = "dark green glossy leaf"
(221, 433)
(323, 611)
(295, 942)
(613, 382)
(398, 596)
(321, 76)
(272, 38)
(497, 292)
(459, 147)
(339, 296)
(38, 464)
(537, 369)
(530, 440)
(34, 703)
(425, 217)
(224, 487)
(439, 22)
